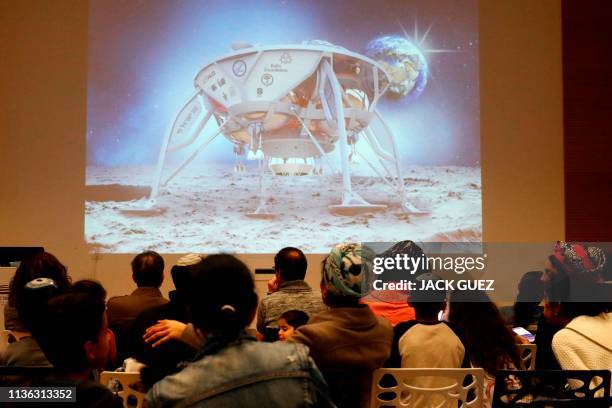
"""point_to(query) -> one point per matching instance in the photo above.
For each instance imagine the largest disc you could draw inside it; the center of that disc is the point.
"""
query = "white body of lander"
(289, 106)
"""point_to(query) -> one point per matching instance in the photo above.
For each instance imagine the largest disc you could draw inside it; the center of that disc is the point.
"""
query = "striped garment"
(291, 295)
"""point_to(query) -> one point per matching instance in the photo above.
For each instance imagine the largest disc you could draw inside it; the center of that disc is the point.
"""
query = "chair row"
(441, 387)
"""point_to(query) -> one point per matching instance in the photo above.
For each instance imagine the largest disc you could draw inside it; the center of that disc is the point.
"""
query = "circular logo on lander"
(267, 79)
(239, 68)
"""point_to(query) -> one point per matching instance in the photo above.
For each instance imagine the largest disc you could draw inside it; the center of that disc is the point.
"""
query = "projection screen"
(307, 123)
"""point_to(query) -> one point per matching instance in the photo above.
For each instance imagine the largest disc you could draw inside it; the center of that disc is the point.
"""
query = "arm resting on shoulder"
(166, 330)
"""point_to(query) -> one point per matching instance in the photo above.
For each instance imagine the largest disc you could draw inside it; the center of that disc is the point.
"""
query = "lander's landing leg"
(407, 206)
(352, 202)
(239, 153)
(262, 210)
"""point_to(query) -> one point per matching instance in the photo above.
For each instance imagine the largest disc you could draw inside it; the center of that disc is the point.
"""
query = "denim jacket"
(245, 373)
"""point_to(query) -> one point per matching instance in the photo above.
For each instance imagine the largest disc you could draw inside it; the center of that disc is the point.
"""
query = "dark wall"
(587, 87)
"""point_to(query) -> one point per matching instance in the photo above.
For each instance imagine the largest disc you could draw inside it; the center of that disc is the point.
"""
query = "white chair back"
(528, 355)
(428, 387)
(130, 396)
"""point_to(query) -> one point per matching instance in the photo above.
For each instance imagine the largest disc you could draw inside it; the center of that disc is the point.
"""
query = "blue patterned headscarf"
(342, 270)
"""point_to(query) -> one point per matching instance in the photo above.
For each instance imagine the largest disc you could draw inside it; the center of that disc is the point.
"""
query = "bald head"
(290, 263)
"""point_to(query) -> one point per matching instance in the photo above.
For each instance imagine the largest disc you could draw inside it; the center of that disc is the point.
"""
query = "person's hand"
(520, 340)
(273, 285)
(163, 331)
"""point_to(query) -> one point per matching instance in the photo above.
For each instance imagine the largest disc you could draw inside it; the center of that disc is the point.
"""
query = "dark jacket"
(347, 344)
(164, 359)
(123, 310)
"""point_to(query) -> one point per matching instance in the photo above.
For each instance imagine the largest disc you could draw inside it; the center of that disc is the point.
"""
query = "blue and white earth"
(405, 64)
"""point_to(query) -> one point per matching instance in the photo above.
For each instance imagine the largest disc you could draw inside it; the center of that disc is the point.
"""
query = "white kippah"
(188, 260)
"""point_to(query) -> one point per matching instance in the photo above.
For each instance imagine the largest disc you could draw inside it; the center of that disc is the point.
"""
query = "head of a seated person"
(181, 272)
(221, 296)
(568, 258)
(74, 335)
(342, 277)
(148, 269)
(289, 322)
(429, 303)
(290, 265)
(89, 287)
(405, 250)
(473, 308)
(568, 296)
(33, 301)
(40, 265)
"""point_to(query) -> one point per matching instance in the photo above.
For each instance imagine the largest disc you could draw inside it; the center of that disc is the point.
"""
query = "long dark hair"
(572, 291)
(41, 265)
(530, 294)
(221, 297)
(490, 343)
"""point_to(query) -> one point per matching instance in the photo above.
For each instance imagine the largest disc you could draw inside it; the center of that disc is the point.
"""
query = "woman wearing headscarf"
(348, 341)
(569, 263)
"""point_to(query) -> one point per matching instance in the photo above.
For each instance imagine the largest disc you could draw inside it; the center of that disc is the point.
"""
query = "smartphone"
(524, 333)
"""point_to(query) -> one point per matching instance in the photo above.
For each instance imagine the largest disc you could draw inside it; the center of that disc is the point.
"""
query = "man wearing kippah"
(348, 341)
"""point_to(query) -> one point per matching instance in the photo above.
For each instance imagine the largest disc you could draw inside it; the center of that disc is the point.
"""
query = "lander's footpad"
(356, 209)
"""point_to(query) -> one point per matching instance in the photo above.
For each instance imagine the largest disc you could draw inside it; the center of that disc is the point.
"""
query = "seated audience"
(290, 321)
(232, 369)
(148, 274)
(73, 334)
(163, 360)
(21, 310)
(348, 341)
(573, 261)
(491, 344)
(288, 291)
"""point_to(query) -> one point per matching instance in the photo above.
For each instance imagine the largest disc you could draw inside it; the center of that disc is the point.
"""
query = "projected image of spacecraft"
(290, 107)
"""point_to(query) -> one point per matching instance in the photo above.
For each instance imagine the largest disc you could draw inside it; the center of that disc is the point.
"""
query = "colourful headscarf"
(587, 260)
(342, 271)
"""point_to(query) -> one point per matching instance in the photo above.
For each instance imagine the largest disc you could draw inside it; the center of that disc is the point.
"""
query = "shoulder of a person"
(310, 332)
(402, 327)
(455, 328)
(116, 299)
(585, 322)
(268, 297)
(290, 348)
(564, 336)
(384, 323)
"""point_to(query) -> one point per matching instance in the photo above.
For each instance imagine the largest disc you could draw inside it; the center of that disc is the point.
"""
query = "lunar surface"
(205, 209)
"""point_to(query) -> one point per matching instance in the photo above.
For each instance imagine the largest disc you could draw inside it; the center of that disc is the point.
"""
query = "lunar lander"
(289, 106)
